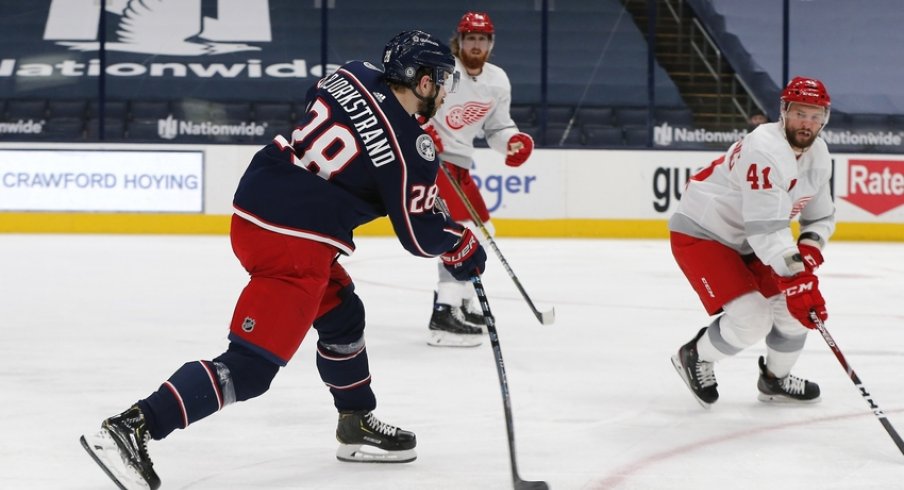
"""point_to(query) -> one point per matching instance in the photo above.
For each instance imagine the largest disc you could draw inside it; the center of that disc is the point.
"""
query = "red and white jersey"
(747, 198)
(478, 108)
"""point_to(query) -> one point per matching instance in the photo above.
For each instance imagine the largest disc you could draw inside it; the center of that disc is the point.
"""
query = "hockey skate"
(448, 328)
(789, 389)
(472, 313)
(697, 375)
(365, 439)
(120, 449)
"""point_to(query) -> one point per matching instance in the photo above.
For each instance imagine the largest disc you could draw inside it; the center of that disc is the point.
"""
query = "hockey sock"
(200, 388)
(344, 369)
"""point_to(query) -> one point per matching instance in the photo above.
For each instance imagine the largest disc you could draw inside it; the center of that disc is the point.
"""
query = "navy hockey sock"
(347, 374)
(200, 388)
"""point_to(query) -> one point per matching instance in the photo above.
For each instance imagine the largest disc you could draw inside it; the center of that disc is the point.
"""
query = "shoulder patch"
(425, 147)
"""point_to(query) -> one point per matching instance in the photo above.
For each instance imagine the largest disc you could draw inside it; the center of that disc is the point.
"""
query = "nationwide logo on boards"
(174, 28)
(170, 128)
(665, 135)
(876, 186)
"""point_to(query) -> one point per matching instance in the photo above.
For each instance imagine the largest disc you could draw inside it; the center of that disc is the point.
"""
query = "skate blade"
(362, 453)
(440, 338)
(680, 369)
(104, 451)
(785, 400)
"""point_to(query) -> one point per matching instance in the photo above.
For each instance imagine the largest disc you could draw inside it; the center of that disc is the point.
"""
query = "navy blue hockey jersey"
(355, 155)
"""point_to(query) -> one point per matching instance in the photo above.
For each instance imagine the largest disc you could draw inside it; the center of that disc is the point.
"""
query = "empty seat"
(67, 108)
(149, 109)
(564, 136)
(557, 114)
(636, 136)
(26, 109)
(114, 129)
(230, 112)
(192, 109)
(143, 130)
(112, 108)
(603, 135)
(601, 116)
(523, 115)
(272, 111)
(64, 129)
(675, 117)
(631, 116)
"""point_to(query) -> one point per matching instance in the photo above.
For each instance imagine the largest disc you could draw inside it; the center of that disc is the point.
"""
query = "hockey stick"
(850, 371)
(503, 384)
(544, 317)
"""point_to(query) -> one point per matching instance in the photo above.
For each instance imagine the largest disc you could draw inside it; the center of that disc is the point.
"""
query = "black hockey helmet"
(411, 50)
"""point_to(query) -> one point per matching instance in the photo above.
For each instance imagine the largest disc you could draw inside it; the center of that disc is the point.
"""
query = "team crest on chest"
(465, 115)
(425, 147)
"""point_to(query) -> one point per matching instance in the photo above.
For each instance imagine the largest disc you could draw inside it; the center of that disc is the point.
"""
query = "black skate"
(120, 449)
(697, 375)
(364, 439)
(472, 315)
(789, 389)
(448, 328)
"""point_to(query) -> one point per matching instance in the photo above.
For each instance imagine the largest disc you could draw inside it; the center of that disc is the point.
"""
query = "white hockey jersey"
(747, 198)
(480, 107)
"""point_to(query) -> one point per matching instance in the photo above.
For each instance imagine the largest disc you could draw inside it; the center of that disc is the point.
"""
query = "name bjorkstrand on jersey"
(352, 101)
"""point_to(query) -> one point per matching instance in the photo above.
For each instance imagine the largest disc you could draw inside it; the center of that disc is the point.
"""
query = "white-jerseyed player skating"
(479, 108)
(731, 236)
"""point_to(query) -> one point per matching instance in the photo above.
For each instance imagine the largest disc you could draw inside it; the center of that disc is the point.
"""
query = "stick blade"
(530, 485)
(547, 317)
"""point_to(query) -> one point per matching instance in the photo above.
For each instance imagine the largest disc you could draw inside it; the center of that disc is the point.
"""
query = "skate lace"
(457, 314)
(705, 374)
(794, 385)
(381, 427)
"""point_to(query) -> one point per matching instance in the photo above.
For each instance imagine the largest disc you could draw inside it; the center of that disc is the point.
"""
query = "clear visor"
(796, 111)
(449, 80)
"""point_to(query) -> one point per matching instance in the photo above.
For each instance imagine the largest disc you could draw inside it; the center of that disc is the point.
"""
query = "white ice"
(92, 323)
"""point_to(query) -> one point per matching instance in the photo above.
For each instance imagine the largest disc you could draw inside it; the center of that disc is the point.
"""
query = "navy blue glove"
(465, 258)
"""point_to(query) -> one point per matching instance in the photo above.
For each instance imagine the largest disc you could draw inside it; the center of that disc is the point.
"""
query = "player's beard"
(474, 62)
(799, 140)
(428, 107)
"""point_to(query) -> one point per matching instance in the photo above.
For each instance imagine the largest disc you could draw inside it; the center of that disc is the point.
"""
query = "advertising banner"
(110, 181)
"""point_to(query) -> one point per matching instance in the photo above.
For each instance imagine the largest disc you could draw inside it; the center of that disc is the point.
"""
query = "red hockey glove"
(810, 254)
(437, 141)
(519, 148)
(802, 295)
(465, 258)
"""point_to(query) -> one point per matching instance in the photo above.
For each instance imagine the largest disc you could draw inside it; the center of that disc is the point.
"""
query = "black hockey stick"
(544, 317)
(850, 371)
(520, 484)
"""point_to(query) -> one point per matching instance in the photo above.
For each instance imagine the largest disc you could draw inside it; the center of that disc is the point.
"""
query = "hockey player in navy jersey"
(357, 154)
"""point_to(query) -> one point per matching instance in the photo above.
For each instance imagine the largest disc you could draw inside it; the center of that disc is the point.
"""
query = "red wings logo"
(470, 113)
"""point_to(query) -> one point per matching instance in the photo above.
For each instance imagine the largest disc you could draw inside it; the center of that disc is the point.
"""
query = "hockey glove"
(437, 141)
(520, 147)
(802, 295)
(810, 253)
(465, 258)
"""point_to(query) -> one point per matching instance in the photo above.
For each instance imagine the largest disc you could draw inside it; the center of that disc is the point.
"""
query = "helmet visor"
(448, 79)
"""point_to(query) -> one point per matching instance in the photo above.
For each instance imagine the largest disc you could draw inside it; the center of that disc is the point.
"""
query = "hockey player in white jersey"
(479, 108)
(731, 236)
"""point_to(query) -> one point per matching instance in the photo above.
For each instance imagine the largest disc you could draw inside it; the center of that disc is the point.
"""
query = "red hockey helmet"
(476, 22)
(806, 91)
